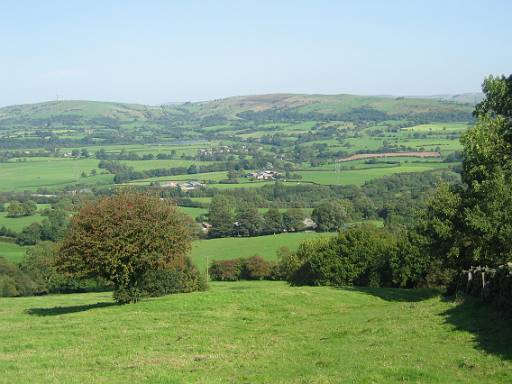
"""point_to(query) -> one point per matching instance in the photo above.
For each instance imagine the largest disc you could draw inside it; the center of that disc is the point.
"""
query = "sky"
(155, 52)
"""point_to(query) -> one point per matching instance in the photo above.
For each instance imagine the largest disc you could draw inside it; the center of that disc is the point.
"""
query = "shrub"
(256, 268)
(226, 270)
(14, 282)
(253, 268)
(165, 281)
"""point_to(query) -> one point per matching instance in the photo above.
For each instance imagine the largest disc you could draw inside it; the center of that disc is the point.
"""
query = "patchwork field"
(254, 332)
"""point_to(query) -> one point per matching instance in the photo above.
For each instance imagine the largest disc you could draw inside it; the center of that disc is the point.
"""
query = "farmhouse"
(264, 175)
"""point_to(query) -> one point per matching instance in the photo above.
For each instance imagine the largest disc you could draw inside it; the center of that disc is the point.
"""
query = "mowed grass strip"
(254, 332)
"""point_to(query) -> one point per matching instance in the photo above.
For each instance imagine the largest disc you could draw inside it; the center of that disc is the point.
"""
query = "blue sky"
(160, 51)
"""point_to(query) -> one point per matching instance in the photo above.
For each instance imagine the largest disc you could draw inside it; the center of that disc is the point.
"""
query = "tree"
(54, 227)
(293, 219)
(15, 209)
(248, 221)
(331, 216)
(123, 238)
(273, 220)
(221, 216)
(30, 235)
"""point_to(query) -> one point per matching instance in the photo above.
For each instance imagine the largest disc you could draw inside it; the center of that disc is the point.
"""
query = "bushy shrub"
(166, 281)
(226, 270)
(256, 268)
(252, 268)
(360, 255)
(15, 282)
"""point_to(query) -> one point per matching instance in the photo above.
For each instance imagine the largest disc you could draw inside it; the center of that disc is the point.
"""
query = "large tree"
(123, 239)
(472, 225)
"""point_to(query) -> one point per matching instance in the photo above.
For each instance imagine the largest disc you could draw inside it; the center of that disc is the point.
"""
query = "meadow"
(254, 332)
(243, 247)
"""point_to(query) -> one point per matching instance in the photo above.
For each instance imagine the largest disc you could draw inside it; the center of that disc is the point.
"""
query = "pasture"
(243, 247)
(254, 332)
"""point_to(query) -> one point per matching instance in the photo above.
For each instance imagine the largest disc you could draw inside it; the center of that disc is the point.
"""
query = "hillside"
(81, 113)
(253, 332)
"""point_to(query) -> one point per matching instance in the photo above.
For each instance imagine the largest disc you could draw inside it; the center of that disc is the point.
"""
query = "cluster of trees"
(20, 209)
(460, 227)
(132, 155)
(227, 219)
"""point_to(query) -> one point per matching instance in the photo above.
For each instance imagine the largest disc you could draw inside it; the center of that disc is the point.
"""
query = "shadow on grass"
(55, 311)
(492, 329)
(397, 294)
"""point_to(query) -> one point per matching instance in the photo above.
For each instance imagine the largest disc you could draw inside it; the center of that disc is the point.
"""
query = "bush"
(226, 270)
(361, 255)
(166, 281)
(14, 282)
(253, 268)
(256, 268)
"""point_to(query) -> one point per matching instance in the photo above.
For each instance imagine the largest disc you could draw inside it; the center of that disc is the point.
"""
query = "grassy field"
(254, 332)
(51, 172)
(234, 247)
(360, 176)
(12, 251)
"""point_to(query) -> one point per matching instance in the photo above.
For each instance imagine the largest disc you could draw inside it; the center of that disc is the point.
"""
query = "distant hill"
(74, 113)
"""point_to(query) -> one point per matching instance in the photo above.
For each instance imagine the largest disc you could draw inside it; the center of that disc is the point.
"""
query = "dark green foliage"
(248, 222)
(361, 255)
(331, 216)
(293, 219)
(161, 282)
(221, 216)
(273, 221)
(54, 227)
(30, 235)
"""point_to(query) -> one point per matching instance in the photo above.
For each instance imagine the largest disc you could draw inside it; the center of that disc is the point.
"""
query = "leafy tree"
(248, 221)
(124, 237)
(221, 216)
(331, 216)
(273, 220)
(54, 227)
(293, 219)
(30, 235)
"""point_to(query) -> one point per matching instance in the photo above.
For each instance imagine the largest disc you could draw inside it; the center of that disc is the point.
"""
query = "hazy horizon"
(161, 52)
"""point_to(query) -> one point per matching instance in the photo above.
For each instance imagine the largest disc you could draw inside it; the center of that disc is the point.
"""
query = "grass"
(18, 223)
(360, 176)
(254, 332)
(12, 251)
(235, 247)
(50, 172)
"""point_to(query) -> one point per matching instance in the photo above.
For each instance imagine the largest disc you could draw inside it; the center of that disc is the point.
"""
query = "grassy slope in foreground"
(254, 332)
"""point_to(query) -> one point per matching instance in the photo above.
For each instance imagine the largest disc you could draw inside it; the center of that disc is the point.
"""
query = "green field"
(51, 172)
(235, 247)
(12, 251)
(360, 176)
(254, 332)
